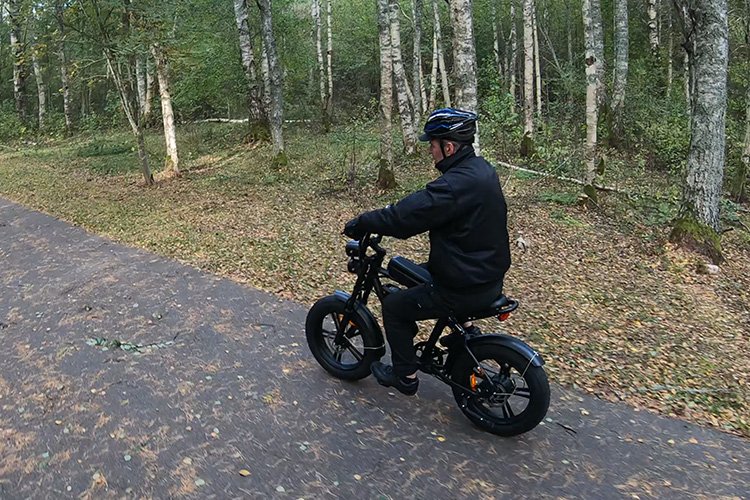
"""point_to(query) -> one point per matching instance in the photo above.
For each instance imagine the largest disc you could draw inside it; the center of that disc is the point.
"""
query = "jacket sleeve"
(419, 212)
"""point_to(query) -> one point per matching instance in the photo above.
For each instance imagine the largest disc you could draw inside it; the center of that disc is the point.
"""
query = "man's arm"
(419, 212)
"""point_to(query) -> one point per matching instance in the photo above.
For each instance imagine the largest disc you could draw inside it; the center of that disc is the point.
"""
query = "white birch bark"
(598, 31)
(386, 92)
(420, 99)
(653, 27)
(620, 76)
(266, 76)
(528, 72)
(537, 65)
(322, 77)
(140, 79)
(434, 72)
(592, 85)
(441, 56)
(464, 54)
(64, 77)
(399, 77)
(708, 42)
(276, 111)
(172, 162)
(247, 53)
(513, 66)
(670, 51)
(40, 86)
(329, 59)
(496, 41)
(17, 51)
(147, 108)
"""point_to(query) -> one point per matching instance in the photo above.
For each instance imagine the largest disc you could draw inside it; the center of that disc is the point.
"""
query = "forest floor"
(615, 310)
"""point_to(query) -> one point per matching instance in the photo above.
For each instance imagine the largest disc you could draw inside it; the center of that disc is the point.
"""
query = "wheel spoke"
(508, 411)
(358, 355)
(522, 392)
(328, 334)
(336, 321)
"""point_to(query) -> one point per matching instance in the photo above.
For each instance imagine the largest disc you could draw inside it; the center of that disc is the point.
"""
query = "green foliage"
(11, 128)
(561, 198)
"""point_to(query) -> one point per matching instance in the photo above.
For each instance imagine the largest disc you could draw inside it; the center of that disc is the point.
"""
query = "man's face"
(437, 153)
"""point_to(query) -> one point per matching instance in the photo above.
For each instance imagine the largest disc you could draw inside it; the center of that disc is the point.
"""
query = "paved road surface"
(228, 384)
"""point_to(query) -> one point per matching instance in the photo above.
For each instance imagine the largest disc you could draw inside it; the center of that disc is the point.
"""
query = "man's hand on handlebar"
(354, 230)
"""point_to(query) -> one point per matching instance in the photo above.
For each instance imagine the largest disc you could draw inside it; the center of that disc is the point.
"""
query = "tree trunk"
(276, 110)
(598, 30)
(329, 60)
(40, 86)
(404, 110)
(131, 109)
(64, 79)
(170, 136)
(17, 50)
(464, 54)
(537, 66)
(513, 66)
(386, 178)
(255, 109)
(147, 108)
(653, 27)
(441, 57)
(620, 77)
(496, 41)
(708, 49)
(140, 79)
(569, 31)
(528, 68)
(417, 77)
(322, 78)
(670, 51)
(739, 186)
(434, 72)
(592, 86)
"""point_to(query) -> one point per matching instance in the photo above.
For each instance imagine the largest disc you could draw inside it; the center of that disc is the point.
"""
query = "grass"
(615, 310)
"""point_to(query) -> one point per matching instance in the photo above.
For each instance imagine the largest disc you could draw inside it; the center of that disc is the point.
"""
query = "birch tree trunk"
(598, 30)
(16, 47)
(592, 85)
(528, 68)
(653, 27)
(670, 51)
(513, 66)
(420, 100)
(496, 41)
(140, 79)
(434, 72)
(569, 31)
(739, 188)
(464, 54)
(441, 56)
(386, 178)
(276, 110)
(247, 52)
(147, 108)
(40, 86)
(266, 76)
(64, 79)
(708, 49)
(322, 77)
(404, 110)
(537, 66)
(131, 109)
(329, 60)
(620, 77)
(172, 162)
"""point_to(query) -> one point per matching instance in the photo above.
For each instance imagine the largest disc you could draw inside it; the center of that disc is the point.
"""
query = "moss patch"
(693, 235)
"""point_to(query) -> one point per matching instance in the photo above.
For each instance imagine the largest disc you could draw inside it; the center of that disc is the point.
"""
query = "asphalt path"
(212, 393)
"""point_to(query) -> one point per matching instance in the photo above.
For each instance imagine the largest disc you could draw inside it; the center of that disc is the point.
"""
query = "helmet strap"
(442, 148)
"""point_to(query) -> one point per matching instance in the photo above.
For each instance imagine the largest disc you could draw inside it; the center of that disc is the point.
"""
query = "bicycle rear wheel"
(509, 395)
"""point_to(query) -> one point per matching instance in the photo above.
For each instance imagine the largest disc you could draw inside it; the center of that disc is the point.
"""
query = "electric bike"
(498, 381)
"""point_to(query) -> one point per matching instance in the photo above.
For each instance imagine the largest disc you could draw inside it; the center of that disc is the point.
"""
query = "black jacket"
(464, 210)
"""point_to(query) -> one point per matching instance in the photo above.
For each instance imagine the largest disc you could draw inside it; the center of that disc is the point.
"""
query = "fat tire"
(317, 344)
(535, 377)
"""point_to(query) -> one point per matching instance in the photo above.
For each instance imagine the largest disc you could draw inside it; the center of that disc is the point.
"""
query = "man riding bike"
(465, 213)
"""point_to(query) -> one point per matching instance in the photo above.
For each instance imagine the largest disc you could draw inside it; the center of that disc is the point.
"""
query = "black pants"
(401, 311)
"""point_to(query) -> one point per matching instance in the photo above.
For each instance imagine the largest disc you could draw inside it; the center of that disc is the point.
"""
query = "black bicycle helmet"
(450, 124)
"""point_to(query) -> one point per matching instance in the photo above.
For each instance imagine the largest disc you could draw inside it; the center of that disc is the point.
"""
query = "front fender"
(367, 317)
(512, 343)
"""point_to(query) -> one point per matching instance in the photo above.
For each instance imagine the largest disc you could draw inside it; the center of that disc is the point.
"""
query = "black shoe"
(453, 338)
(385, 376)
